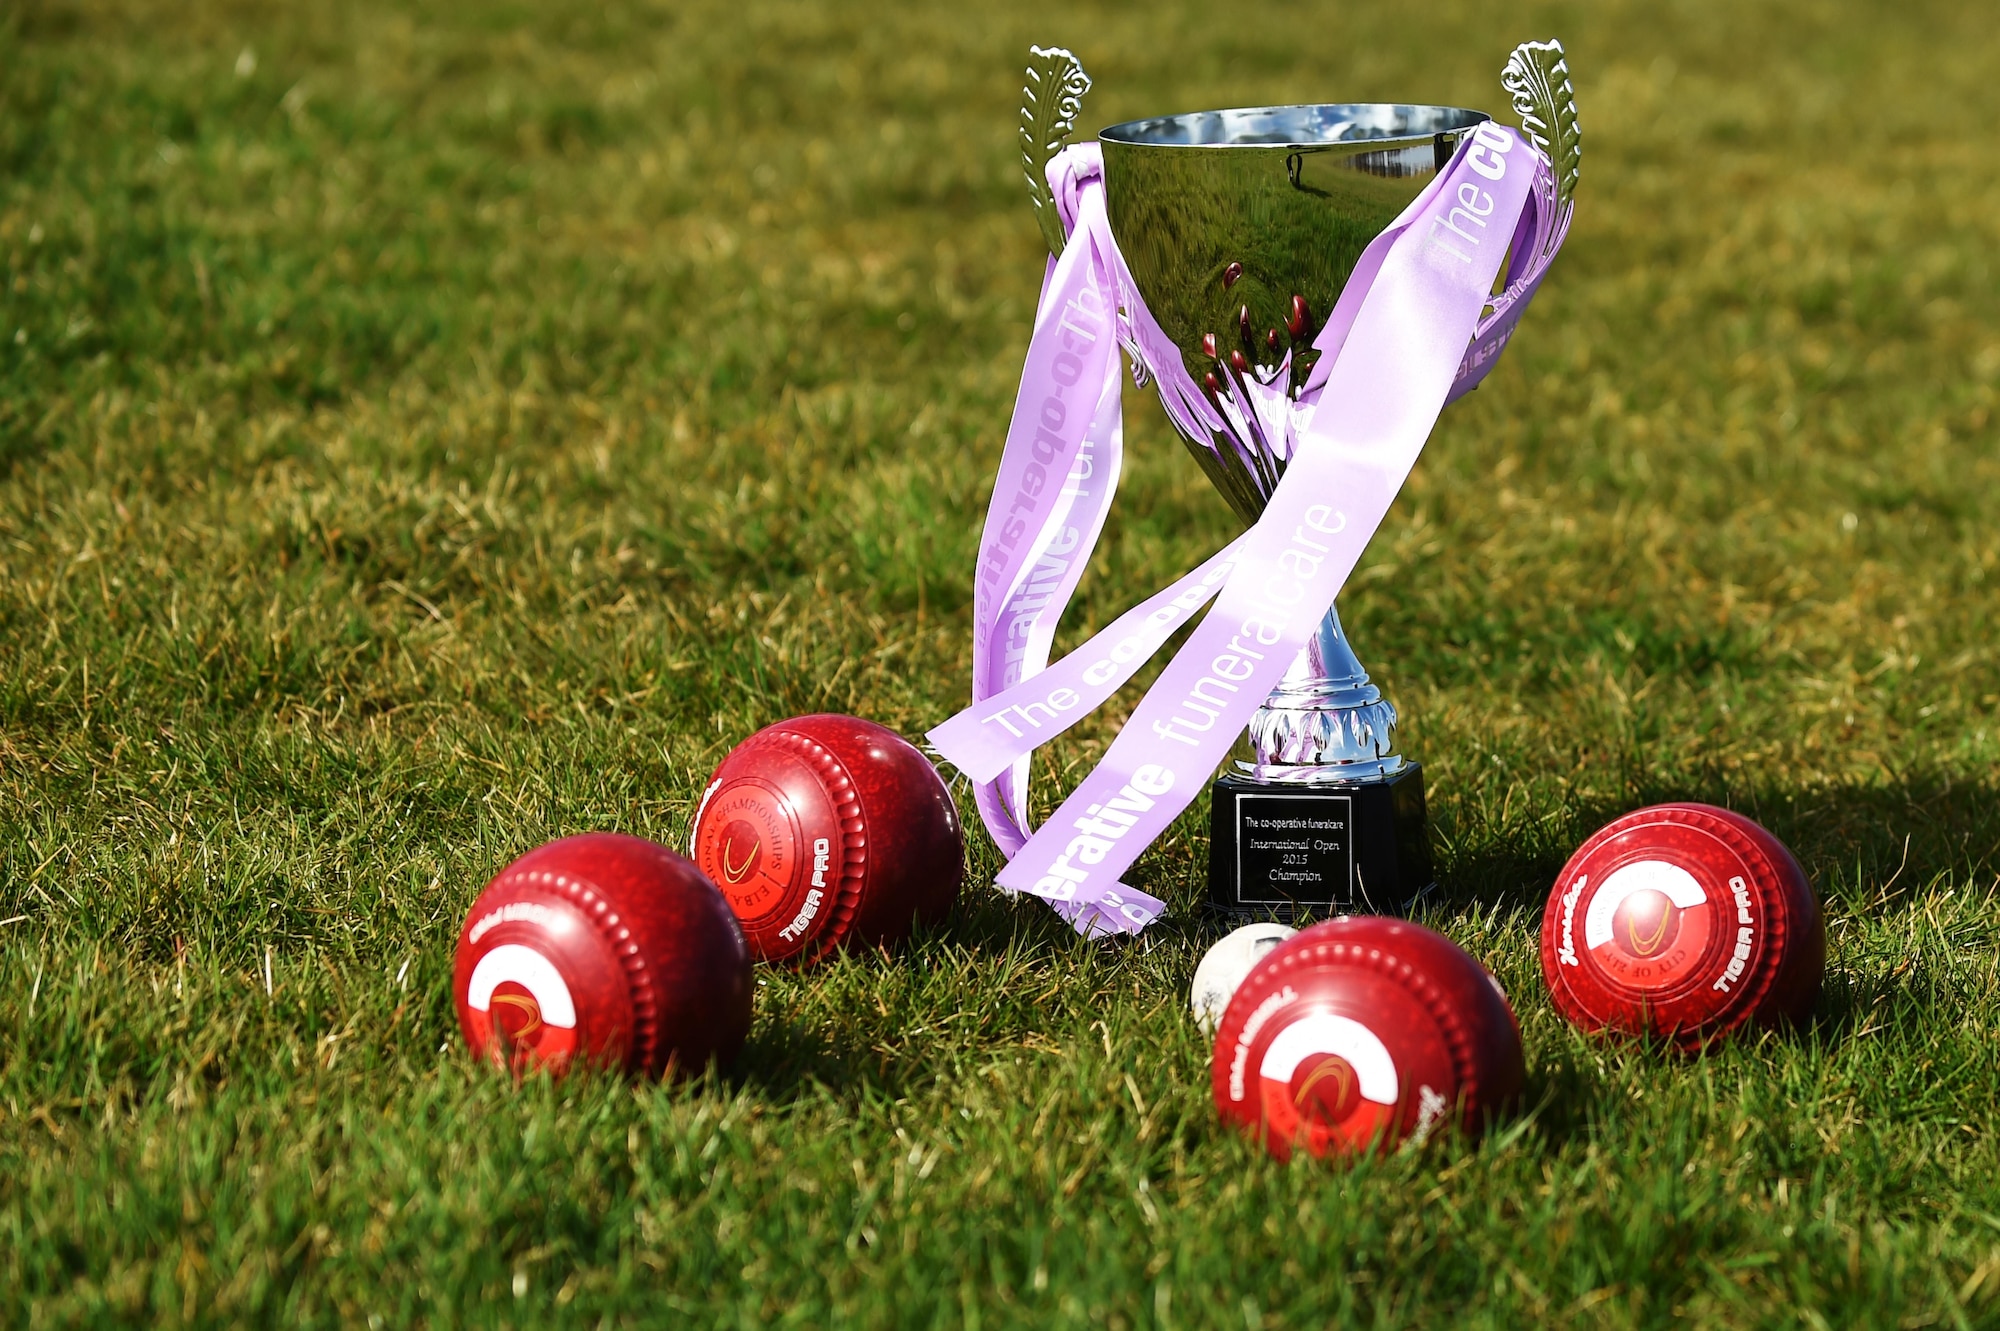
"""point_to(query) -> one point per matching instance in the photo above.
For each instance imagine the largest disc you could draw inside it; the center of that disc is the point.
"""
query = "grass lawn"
(426, 430)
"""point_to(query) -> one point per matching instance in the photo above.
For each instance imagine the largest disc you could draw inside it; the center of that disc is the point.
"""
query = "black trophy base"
(1293, 852)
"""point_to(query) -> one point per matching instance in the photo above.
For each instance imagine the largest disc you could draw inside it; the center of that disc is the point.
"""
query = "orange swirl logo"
(1328, 1091)
(526, 1016)
(739, 838)
(517, 1023)
(1646, 924)
(1644, 944)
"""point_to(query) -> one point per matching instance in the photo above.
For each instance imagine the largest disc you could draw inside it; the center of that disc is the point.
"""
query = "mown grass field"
(429, 429)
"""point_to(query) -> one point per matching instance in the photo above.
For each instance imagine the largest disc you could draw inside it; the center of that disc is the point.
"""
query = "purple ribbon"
(1415, 326)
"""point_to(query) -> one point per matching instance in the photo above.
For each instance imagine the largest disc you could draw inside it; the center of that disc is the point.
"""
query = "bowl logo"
(1325, 1088)
(1328, 1079)
(523, 1004)
(746, 841)
(739, 837)
(1645, 924)
(1648, 924)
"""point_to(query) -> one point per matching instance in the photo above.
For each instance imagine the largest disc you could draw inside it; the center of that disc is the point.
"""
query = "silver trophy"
(1240, 229)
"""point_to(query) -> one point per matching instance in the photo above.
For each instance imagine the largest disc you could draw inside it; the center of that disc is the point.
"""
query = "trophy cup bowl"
(1240, 229)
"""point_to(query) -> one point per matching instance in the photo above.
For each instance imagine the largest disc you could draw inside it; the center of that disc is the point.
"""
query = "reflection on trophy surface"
(1239, 230)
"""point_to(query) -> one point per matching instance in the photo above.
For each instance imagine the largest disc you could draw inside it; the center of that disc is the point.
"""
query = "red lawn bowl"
(602, 949)
(1361, 1033)
(1685, 922)
(828, 831)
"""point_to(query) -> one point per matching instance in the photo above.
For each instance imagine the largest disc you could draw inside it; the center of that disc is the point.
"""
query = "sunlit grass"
(425, 431)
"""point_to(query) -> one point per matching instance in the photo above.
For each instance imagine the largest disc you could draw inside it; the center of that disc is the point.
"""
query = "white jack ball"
(1225, 966)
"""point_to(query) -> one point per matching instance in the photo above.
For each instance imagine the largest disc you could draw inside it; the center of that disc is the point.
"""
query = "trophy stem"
(1324, 723)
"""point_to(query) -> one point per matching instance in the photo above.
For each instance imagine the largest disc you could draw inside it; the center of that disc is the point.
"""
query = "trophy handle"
(1537, 78)
(1050, 102)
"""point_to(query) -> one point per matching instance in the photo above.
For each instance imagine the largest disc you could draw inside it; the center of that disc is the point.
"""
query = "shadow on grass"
(1563, 1095)
(1863, 845)
(18, 447)
(853, 1025)
(881, 1024)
